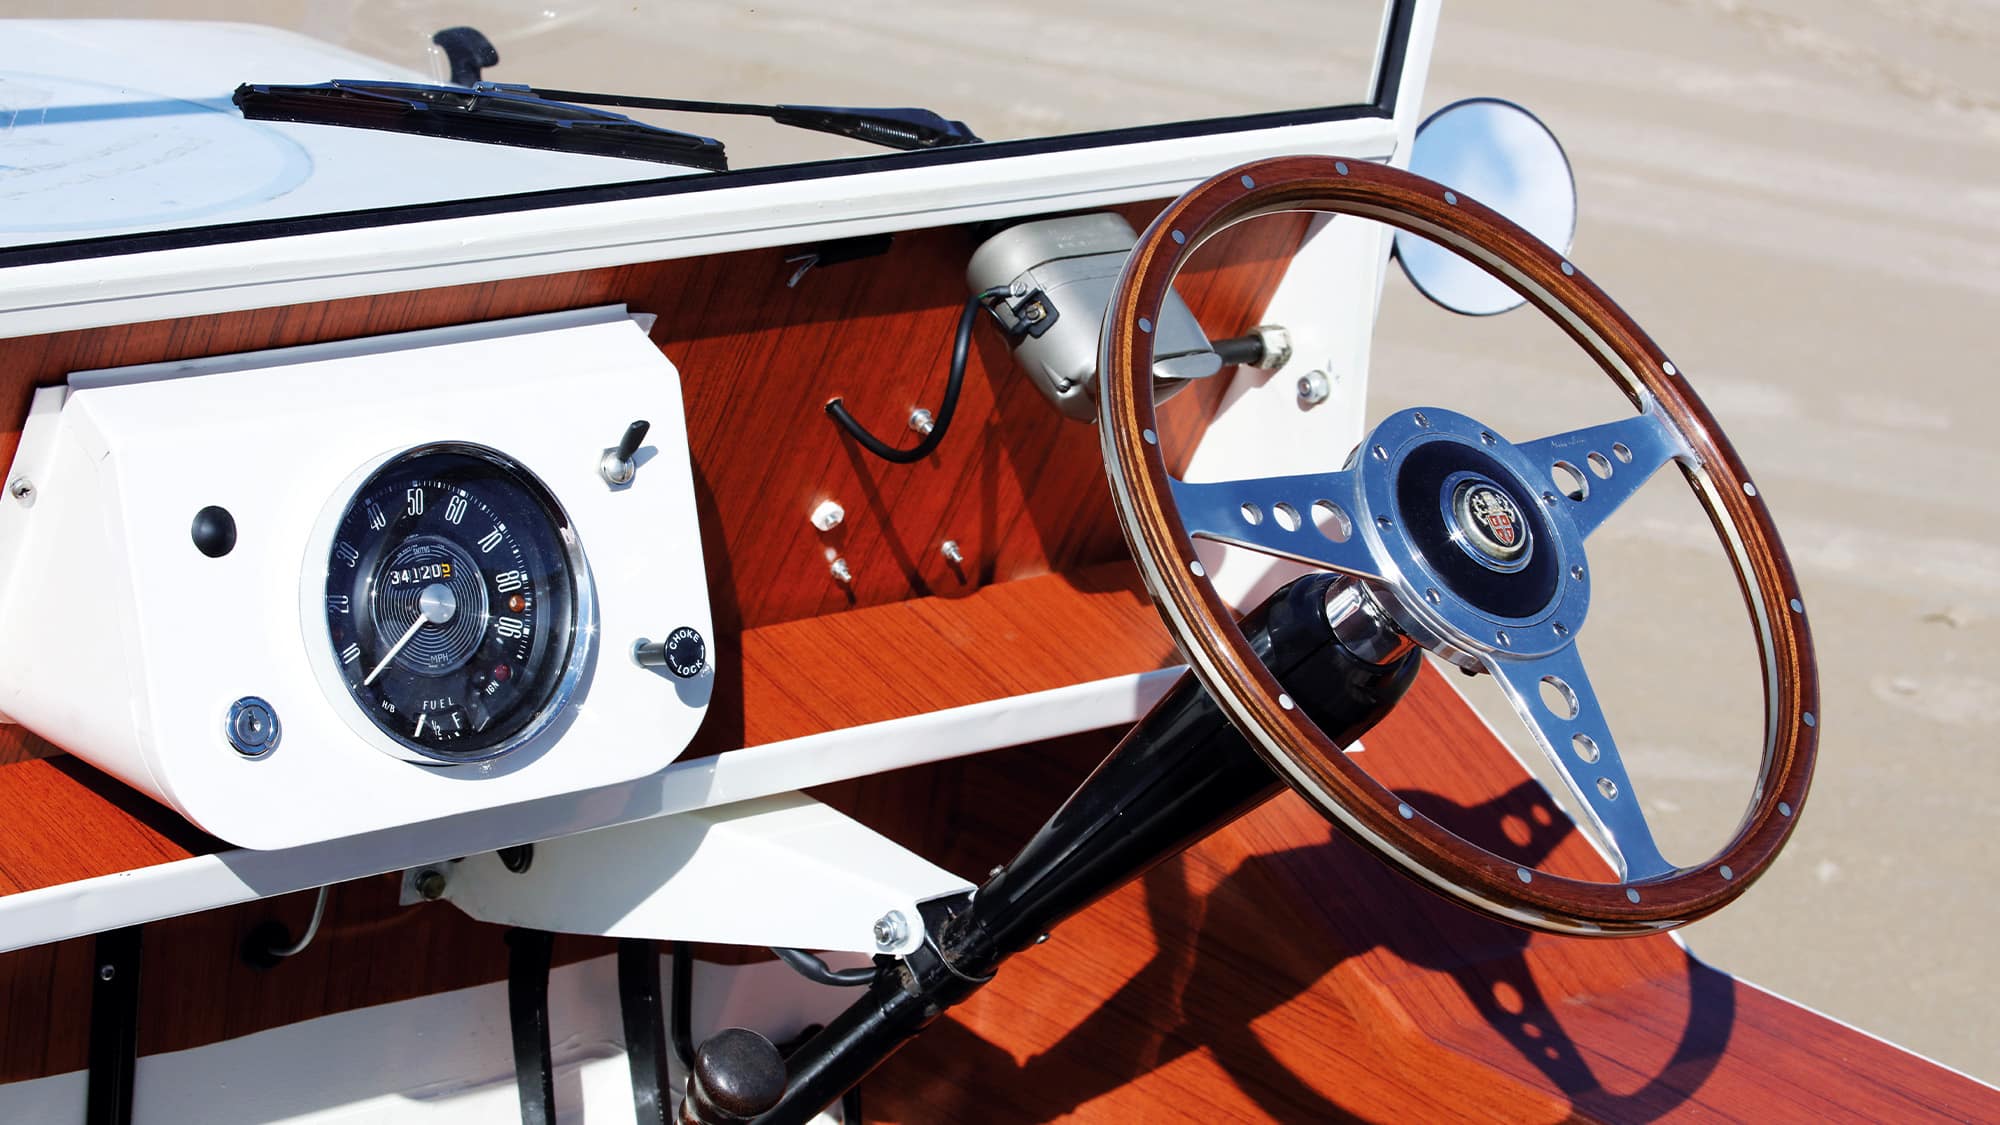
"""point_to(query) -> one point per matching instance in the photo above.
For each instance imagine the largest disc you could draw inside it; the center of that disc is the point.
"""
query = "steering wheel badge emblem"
(1488, 526)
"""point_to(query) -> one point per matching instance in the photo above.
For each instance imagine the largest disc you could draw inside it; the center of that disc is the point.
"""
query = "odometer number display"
(452, 602)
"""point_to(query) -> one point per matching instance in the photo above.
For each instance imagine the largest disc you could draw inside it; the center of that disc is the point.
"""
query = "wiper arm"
(488, 113)
(905, 127)
(560, 120)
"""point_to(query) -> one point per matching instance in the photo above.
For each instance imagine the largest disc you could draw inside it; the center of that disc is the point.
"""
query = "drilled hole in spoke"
(1599, 464)
(1287, 516)
(1570, 480)
(1608, 788)
(1622, 451)
(1585, 747)
(1331, 521)
(1559, 697)
(1252, 514)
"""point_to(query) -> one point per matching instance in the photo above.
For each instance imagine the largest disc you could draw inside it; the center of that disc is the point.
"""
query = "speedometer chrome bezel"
(317, 638)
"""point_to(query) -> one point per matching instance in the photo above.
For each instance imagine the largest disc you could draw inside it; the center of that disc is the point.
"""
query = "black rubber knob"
(737, 1075)
(684, 653)
(214, 531)
(635, 436)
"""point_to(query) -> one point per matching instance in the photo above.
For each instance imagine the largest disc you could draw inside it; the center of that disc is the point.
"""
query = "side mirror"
(1503, 156)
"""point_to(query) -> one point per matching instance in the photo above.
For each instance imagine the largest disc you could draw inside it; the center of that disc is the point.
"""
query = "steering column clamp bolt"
(891, 930)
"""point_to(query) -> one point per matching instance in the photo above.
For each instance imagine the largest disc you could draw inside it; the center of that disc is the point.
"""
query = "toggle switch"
(616, 465)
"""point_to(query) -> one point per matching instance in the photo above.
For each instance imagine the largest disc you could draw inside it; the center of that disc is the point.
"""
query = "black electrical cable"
(960, 347)
(819, 972)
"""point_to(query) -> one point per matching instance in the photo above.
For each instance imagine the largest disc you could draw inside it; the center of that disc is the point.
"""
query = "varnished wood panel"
(888, 662)
(66, 820)
(1018, 487)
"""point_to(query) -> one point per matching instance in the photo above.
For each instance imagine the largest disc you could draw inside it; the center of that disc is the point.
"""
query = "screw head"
(950, 550)
(922, 422)
(828, 515)
(891, 930)
(841, 572)
(106, 972)
(430, 884)
(22, 489)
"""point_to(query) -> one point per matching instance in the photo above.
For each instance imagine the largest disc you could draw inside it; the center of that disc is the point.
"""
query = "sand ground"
(1800, 201)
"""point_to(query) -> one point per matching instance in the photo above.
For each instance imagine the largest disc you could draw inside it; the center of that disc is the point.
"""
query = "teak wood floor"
(1276, 972)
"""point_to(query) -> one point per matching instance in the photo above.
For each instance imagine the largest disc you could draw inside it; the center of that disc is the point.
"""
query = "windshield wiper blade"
(489, 113)
(905, 127)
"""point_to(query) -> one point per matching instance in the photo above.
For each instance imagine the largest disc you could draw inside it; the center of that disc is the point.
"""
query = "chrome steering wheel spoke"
(1606, 463)
(1308, 518)
(1553, 696)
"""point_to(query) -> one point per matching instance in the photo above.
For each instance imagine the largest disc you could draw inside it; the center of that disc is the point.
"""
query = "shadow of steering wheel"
(1197, 992)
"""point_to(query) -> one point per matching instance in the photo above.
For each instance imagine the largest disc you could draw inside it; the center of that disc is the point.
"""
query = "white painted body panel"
(105, 582)
(783, 870)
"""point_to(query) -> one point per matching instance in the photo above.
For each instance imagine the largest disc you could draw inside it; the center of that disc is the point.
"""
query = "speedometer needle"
(435, 606)
(395, 648)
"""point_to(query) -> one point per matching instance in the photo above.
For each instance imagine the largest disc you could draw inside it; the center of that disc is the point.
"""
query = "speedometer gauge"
(456, 602)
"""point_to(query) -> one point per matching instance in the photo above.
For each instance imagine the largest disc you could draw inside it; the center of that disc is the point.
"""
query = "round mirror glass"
(1503, 156)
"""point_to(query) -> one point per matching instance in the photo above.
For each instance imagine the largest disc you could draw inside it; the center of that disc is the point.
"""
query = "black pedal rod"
(645, 1027)
(528, 1012)
(1181, 773)
(114, 1027)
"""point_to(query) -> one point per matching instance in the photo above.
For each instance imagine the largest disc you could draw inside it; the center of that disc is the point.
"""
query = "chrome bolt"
(1314, 388)
(828, 515)
(951, 553)
(107, 972)
(840, 572)
(922, 422)
(430, 884)
(891, 930)
(22, 489)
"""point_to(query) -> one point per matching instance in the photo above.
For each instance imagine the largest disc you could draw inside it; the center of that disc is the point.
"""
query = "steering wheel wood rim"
(1203, 625)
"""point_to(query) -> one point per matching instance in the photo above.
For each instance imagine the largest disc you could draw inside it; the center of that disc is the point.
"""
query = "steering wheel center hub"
(1478, 560)
(1485, 522)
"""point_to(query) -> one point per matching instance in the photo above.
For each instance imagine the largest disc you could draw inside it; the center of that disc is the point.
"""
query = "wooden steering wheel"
(1464, 542)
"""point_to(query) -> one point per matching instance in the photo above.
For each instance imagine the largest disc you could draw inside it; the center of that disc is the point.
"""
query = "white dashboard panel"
(127, 646)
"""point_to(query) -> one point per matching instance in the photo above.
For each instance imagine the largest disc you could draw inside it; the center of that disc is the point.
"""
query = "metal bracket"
(114, 1027)
(784, 870)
